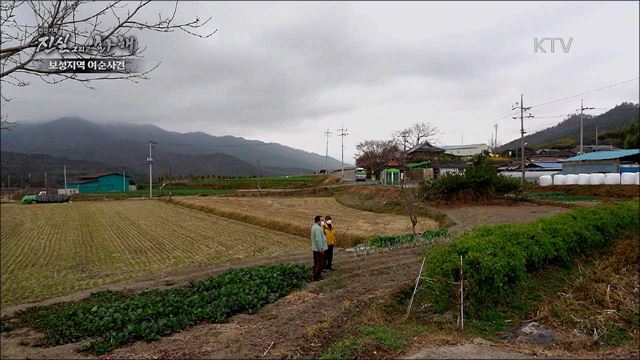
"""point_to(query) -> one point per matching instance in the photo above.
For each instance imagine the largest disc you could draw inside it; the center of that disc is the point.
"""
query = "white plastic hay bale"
(571, 179)
(612, 179)
(583, 179)
(559, 179)
(545, 180)
(596, 179)
(627, 178)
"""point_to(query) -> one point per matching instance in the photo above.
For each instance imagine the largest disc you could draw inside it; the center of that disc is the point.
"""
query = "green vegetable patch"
(112, 319)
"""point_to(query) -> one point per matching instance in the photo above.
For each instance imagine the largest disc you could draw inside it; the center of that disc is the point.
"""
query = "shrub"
(500, 257)
(480, 180)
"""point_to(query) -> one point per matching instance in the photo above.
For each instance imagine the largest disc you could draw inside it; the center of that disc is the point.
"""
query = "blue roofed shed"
(602, 162)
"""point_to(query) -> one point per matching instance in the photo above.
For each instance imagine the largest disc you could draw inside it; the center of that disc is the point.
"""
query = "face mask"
(329, 222)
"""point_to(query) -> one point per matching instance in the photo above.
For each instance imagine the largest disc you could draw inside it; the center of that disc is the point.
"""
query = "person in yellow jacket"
(329, 233)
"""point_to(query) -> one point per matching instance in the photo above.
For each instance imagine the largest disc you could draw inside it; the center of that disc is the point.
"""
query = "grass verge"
(156, 193)
(499, 258)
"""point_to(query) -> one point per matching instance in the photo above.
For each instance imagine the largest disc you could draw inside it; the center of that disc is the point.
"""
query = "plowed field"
(55, 249)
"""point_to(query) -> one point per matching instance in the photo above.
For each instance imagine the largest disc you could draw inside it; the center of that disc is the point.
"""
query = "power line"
(217, 145)
(552, 116)
(584, 93)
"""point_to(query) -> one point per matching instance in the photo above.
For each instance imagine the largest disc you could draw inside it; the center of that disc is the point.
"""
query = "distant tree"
(565, 143)
(370, 154)
(627, 137)
(416, 134)
(25, 23)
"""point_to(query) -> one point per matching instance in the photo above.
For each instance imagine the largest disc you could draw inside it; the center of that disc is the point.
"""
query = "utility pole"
(170, 173)
(404, 160)
(582, 109)
(326, 154)
(342, 133)
(522, 132)
(596, 138)
(259, 173)
(46, 183)
(404, 144)
(150, 161)
(495, 138)
(64, 170)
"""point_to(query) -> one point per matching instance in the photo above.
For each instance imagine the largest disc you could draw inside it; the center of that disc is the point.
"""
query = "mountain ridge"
(193, 153)
(566, 134)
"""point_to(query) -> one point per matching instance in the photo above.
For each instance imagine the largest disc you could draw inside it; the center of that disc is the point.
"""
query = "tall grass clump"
(498, 258)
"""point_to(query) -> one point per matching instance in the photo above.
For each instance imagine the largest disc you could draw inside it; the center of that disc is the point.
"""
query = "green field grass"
(561, 196)
(156, 193)
(56, 249)
(276, 182)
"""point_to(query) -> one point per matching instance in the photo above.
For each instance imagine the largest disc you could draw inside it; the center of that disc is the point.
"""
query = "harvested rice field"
(56, 249)
(299, 212)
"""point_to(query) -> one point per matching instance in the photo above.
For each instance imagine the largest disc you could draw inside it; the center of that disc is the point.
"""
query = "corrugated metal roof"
(604, 155)
(425, 147)
(99, 175)
(460, 147)
(549, 165)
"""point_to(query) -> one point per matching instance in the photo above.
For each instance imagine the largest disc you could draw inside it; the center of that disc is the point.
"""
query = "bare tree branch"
(20, 36)
(417, 134)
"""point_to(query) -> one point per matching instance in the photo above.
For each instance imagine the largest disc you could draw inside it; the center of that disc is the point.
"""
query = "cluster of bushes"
(499, 258)
(479, 181)
(113, 318)
(386, 241)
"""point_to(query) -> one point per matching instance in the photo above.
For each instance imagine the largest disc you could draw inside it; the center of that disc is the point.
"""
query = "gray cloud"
(284, 72)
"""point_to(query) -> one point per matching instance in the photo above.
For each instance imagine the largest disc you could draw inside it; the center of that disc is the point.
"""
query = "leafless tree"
(23, 25)
(416, 134)
(411, 197)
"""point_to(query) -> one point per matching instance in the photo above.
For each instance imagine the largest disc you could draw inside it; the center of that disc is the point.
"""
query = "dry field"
(299, 213)
(55, 249)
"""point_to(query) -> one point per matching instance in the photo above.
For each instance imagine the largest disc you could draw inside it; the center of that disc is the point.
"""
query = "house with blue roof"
(603, 162)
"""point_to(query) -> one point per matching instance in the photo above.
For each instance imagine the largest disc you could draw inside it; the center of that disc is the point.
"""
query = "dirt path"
(467, 217)
(468, 351)
(298, 325)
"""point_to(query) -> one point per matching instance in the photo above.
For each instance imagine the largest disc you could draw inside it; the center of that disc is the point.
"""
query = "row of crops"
(407, 239)
(499, 258)
(111, 319)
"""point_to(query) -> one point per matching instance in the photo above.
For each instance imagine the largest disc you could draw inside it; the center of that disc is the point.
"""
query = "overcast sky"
(284, 72)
